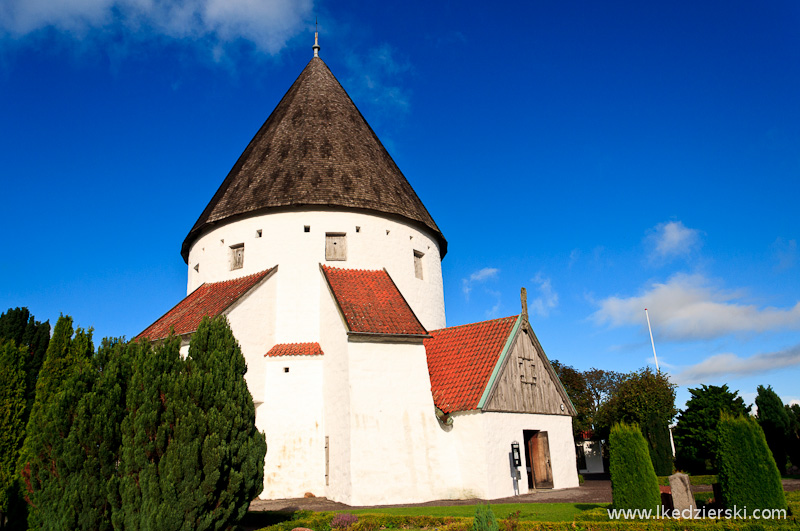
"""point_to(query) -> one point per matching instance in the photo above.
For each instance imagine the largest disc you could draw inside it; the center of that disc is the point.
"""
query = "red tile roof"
(371, 303)
(461, 360)
(208, 299)
(295, 349)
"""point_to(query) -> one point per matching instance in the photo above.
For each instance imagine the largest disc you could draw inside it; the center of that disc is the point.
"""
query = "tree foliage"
(793, 439)
(602, 385)
(696, 430)
(18, 325)
(484, 519)
(580, 396)
(191, 455)
(748, 476)
(775, 422)
(12, 425)
(634, 484)
(45, 459)
(645, 398)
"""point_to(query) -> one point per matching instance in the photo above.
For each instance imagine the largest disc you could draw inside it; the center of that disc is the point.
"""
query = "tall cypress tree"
(232, 451)
(12, 428)
(775, 422)
(192, 458)
(41, 460)
(20, 326)
(94, 400)
(148, 430)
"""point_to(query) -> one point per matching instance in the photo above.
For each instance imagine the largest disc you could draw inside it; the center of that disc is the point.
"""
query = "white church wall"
(396, 440)
(380, 242)
(291, 417)
(252, 321)
(502, 429)
(336, 396)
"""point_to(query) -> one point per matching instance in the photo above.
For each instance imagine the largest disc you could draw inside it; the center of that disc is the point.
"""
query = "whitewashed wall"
(336, 394)
(381, 242)
(396, 443)
(291, 417)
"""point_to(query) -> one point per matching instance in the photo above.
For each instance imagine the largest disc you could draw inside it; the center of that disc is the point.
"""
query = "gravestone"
(682, 497)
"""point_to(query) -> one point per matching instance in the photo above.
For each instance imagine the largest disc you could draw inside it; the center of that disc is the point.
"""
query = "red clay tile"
(208, 299)
(295, 349)
(461, 360)
(371, 303)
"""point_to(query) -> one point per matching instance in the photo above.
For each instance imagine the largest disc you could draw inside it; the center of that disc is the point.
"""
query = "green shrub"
(748, 475)
(484, 519)
(633, 481)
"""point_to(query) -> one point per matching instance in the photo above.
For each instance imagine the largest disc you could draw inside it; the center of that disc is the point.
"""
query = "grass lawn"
(539, 512)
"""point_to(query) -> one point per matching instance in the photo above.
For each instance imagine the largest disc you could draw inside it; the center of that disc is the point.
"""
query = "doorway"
(537, 457)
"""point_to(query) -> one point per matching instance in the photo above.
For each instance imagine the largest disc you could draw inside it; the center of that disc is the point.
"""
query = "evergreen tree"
(775, 422)
(696, 430)
(42, 459)
(12, 430)
(191, 455)
(94, 399)
(793, 440)
(634, 484)
(154, 398)
(19, 325)
(232, 450)
(748, 476)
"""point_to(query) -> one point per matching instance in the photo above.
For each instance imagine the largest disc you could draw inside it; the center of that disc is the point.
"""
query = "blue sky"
(607, 156)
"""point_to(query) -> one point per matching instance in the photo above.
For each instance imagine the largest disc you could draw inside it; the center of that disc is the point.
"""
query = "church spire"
(316, 46)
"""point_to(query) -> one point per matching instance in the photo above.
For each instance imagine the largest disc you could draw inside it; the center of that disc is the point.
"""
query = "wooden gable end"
(527, 382)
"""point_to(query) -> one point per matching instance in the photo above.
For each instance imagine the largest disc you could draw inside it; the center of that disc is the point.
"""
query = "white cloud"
(548, 298)
(269, 24)
(688, 307)
(478, 276)
(672, 239)
(723, 366)
(494, 311)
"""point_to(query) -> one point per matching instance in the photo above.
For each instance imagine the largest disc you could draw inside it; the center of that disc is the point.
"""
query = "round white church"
(328, 268)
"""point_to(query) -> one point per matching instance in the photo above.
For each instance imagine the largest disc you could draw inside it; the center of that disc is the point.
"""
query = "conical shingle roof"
(315, 149)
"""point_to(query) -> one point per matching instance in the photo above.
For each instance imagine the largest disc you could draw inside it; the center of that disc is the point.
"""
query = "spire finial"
(316, 46)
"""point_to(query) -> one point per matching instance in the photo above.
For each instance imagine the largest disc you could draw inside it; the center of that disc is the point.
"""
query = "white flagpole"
(653, 343)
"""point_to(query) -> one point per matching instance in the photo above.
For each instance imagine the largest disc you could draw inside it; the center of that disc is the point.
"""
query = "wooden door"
(539, 450)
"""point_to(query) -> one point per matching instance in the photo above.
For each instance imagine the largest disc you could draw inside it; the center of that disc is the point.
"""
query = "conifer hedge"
(747, 475)
(634, 484)
(135, 437)
(12, 426)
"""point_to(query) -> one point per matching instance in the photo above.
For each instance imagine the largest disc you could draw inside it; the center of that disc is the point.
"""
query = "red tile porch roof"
(461, 360)
(210, 299)
(371, 302)
(295, 349)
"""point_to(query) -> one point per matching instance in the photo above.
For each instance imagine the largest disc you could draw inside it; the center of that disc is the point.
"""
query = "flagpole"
(653, 343)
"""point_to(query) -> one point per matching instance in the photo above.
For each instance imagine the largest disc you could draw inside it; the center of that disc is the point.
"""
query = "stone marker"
(682, 497)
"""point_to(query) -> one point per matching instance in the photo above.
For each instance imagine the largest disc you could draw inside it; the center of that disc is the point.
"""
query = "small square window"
(335, 246)
(306, 228)
(237, 256)
(258, 233)
(358, 229)
(418, 264)
(286, 369)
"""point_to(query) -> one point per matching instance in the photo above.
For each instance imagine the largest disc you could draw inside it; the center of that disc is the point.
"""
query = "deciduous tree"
(575, 385)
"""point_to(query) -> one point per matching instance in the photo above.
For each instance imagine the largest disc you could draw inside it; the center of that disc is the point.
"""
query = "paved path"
(592, 491)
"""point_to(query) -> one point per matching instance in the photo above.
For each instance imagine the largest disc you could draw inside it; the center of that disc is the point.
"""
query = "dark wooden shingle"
(315, 149)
